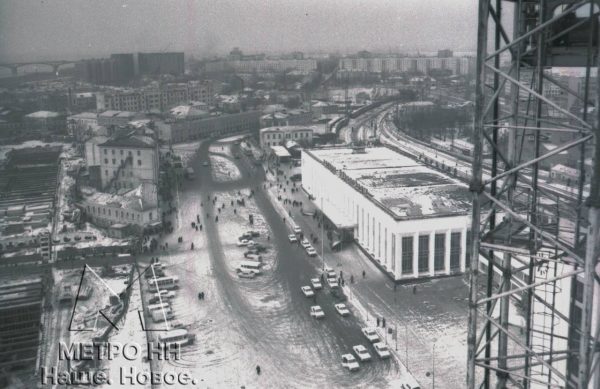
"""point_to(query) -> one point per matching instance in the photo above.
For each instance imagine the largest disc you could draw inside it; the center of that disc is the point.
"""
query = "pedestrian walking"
(364, 274)
(415, 289)
(377, 322)
(383, 322)
(351, 279)
(257, 369)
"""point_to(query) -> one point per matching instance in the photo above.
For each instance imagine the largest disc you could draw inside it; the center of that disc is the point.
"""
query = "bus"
(159, 306)
(159, 316)
(177, 336)
(250, 266)
(162, 283)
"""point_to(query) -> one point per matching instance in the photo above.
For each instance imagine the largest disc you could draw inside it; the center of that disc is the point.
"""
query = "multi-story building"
(156, 98)
(185, 129)
(457, 65)
(118, 69)
(126, 161)
(275, 136)
(161, 63)
(303, 66)
(411, 228)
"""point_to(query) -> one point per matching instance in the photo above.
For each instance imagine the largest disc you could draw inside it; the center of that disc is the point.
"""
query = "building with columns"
(411, 220)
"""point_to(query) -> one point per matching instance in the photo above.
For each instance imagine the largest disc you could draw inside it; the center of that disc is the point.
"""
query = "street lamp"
(322, 226)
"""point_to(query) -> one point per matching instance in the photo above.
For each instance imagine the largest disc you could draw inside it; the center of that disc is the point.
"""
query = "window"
(139, 153)
(109, 213)
(407, 254)
(114, 161)
(455, 250)
(112, 151)
(121, 152)
(129, 153)
(423, 253)
(150, 215)
(105, 151)
(106, 173)
(439, 251)
(106, 161)
(139, 162)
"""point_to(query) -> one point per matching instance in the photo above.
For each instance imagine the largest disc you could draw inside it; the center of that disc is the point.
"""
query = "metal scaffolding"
(535, 244)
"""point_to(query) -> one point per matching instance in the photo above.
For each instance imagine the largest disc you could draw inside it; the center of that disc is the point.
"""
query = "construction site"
(534, 306)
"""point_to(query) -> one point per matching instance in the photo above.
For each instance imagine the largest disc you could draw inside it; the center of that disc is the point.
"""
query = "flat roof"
(280, 151)
(402, 186)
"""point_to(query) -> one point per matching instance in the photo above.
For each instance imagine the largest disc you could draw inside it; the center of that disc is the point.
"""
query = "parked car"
(342, 309)
(308, 292)
(205, 163)
(305, 243)
(382, 350)
(371, 334)
(361, 352)
(253, 257)
(243, 273)
(311, 251)
(317, 312)
(349, 362)
(316, 283)
(332, 282)
(292, 238)
(245, 242)
(297, 230)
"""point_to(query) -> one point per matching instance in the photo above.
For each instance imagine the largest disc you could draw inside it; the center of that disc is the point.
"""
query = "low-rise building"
(118, 118)
(187, 129)
(276, 136)
(564, 175)
(137, 207)
(412, 221)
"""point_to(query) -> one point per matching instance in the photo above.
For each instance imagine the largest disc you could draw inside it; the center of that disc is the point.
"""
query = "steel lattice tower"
(535, 245)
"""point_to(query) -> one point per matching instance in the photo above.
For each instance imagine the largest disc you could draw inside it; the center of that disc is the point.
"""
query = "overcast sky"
(70, 29)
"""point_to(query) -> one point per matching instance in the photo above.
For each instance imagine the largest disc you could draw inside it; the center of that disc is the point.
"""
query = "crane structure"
(534, 276)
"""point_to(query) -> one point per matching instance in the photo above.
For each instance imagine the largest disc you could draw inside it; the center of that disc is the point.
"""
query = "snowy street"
(264, 321)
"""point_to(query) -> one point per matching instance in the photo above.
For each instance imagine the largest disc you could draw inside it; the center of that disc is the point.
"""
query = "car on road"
(305, 243)
(316, 283)
(332, 282)
(205, 163)
(308, 292)
(349, 362)
(245, 242)
(382, 350)
(244, 273)
(331, 274)
(253, 256)
(311, 251)
(292, 238)
(361, 352)
(297, 230)
(342, 309)
(371, 334)
(317, 312)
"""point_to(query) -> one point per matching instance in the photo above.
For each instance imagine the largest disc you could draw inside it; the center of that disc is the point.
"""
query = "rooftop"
(130, 141)
(285, 129)
(43, 115)
(403, 187)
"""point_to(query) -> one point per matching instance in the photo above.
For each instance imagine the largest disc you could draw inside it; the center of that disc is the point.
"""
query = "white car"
(371, 334)
(382, 350)
(316, 283)
(333, 283)
(308, 292)
(327, 269)
(361, 352)
(317, 312)
(349, 362)
(311, 251)
(331, 274)
(342, 309)
(297, 230)
(243, 242)
(305, 243)
(244, 273)
(292, 238)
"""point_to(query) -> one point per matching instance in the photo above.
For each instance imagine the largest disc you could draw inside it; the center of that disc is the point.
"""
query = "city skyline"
(199, 30)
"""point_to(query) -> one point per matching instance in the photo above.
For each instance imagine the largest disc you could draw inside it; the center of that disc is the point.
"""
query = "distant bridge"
(14, 67)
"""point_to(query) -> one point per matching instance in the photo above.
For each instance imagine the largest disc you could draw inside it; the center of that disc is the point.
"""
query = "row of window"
(121, 152)
(289, 135)
(122, 215)
(114, 161)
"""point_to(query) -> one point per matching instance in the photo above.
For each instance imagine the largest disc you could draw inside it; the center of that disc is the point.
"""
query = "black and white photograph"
(299, 194)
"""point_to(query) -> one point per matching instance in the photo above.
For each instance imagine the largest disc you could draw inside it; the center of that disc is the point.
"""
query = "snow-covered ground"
(223, 169)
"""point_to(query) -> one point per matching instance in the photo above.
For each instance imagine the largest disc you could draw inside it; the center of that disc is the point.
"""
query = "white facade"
(274, 136)
(457, 65)
(407, 248)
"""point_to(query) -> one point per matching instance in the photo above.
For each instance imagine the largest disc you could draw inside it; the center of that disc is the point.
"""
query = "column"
(447, 252)
(432, 253)
(416, 255)
(463, 250)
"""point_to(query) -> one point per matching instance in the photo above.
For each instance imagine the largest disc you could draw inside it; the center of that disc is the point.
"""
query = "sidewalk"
(434, 313)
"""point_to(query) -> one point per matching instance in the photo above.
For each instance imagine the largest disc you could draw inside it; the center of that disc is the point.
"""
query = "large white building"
(303, 66)
(413, 221)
